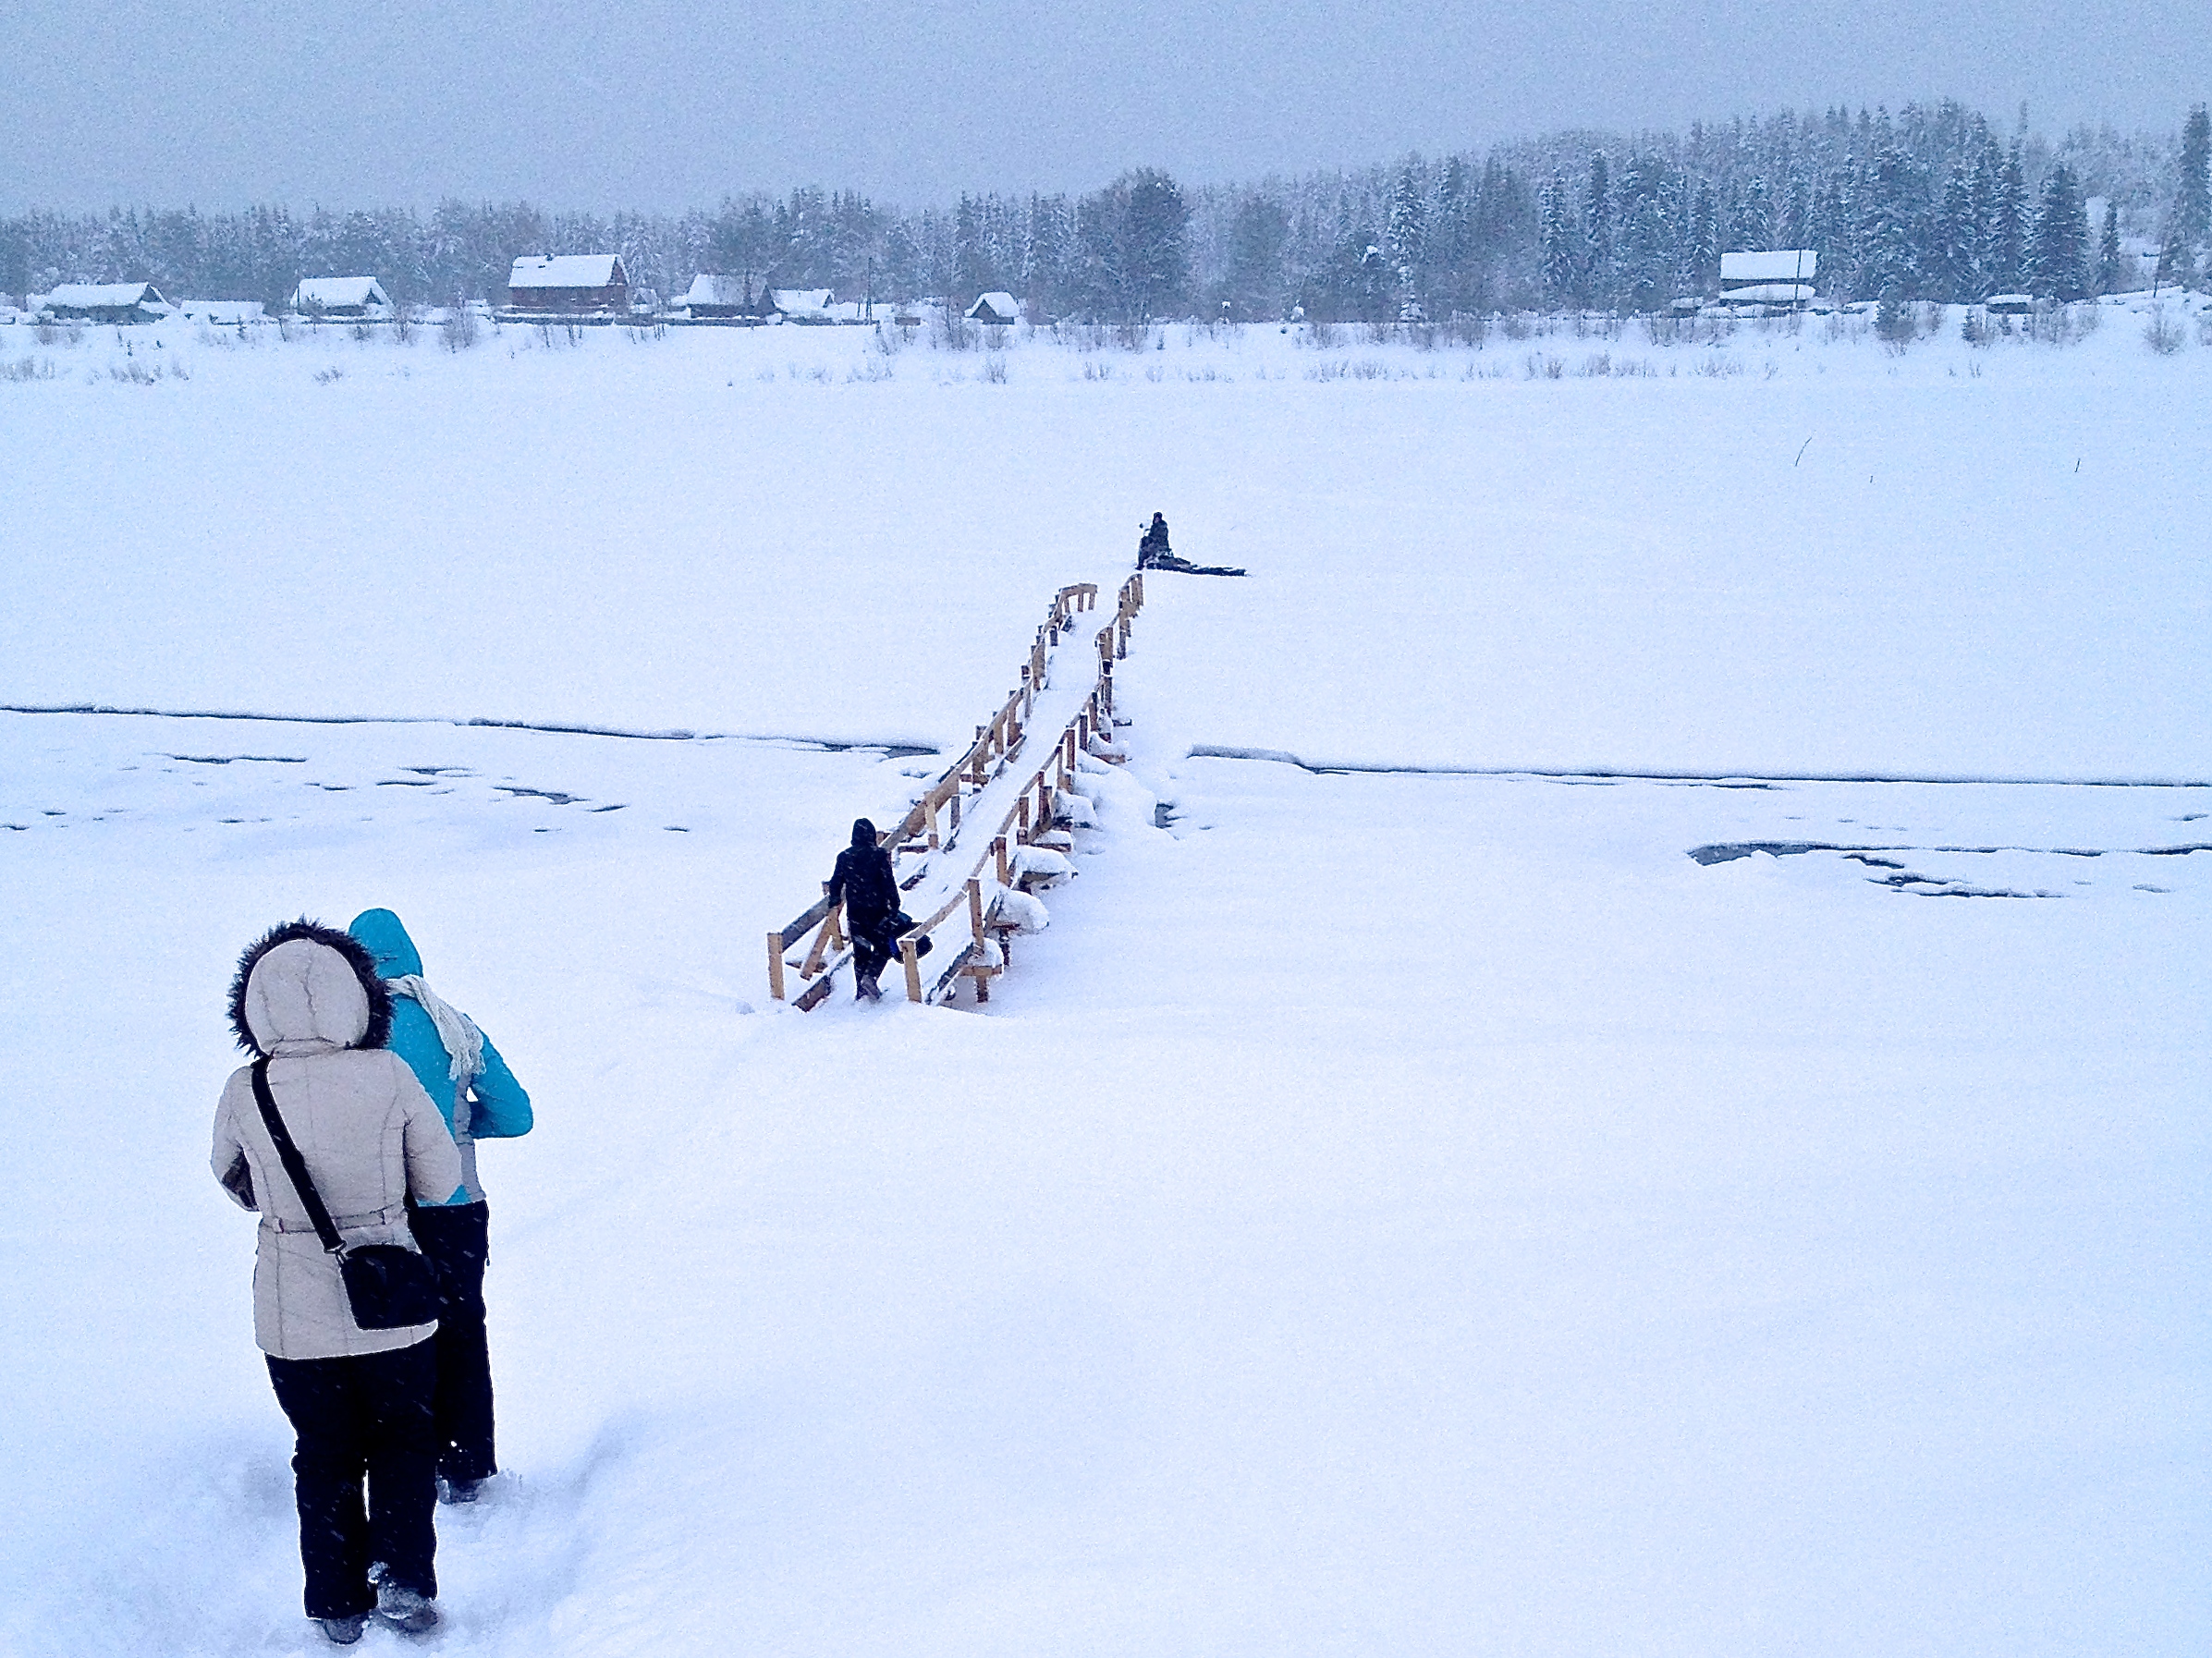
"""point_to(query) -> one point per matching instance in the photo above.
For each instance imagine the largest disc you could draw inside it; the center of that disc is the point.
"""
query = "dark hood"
(863, 832)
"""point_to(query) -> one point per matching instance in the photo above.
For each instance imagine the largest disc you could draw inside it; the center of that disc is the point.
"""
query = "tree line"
(1933, 202)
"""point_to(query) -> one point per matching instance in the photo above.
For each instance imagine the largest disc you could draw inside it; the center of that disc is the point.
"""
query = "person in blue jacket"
(463, 1073)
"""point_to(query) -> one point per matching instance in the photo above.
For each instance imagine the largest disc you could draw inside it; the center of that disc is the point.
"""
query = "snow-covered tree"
(2058, 244)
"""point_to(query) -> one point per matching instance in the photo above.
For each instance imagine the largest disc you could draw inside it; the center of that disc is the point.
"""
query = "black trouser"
(874, 941)
(457, 1238)
(365, 1417)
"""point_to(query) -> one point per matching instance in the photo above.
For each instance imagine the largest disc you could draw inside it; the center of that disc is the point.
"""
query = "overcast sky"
(666, 103)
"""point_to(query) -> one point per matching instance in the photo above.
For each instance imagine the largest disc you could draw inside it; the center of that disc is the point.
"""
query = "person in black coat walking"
(866, 881)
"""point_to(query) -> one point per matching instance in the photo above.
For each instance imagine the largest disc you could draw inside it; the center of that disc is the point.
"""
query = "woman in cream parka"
(308, 999)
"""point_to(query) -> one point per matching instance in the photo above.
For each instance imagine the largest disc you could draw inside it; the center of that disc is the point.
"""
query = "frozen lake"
(1387, 1211)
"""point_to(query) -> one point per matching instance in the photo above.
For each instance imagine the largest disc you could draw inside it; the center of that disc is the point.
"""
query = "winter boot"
(344, 1632)
(402, 1609)
(458, 1491)
(866, 989)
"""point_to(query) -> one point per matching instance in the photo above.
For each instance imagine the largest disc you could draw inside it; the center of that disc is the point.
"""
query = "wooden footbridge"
(998, 822)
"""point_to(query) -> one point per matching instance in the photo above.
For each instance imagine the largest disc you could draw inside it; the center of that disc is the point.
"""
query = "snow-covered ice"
(1385, 1210)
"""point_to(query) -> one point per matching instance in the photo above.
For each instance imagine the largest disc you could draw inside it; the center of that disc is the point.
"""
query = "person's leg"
(868, 958)
(400, 1391)
(456, 1239)
(321, 1397)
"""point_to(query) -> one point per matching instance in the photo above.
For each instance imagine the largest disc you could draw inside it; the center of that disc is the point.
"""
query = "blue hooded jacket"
(492, 1105)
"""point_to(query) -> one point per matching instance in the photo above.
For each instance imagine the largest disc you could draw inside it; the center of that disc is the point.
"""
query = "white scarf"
(464, 1041)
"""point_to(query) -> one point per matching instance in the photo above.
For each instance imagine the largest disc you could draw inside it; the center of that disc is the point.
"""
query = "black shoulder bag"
(389, 1287)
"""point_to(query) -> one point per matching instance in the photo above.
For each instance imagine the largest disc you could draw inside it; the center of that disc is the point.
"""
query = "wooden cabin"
(106, 302)
(1774, 276)
(341, 296)
(569, 283)
(996, 309)
(809, 305)
(717, 296)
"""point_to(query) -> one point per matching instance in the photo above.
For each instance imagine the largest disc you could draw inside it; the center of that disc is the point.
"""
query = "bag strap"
(294, 1165)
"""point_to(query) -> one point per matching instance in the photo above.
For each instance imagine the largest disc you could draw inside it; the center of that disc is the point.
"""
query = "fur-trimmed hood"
(307, 988)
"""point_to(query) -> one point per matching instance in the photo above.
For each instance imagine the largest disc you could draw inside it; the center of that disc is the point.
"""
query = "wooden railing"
(932, 828)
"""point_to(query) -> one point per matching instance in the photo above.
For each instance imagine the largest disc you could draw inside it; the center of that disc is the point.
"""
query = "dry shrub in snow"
(2162, 333)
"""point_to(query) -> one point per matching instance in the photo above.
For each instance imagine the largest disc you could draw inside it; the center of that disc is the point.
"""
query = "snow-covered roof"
(715, 290)
(1782, 265)
(567, 270)
(1772, 293)
(2020, 300)
(95, 296)
(327, 293)
(802, 301)
(1003, 305)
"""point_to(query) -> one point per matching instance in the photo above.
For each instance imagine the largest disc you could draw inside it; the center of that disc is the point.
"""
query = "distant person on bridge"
(869, 888)
(1153, 549)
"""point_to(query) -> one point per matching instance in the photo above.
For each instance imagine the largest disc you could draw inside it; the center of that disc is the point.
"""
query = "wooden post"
(775, 964)
(1068, 745)
(1022, 810)
(998, 851)
(913, 969)
(975, 908)
(929, 805)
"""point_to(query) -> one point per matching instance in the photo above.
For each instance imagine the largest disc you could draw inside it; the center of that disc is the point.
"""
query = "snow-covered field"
(1386, 1211)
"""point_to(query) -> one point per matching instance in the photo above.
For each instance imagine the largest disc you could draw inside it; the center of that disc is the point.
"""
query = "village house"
(1775, 277)
(569, 283)
(809, 305)
(106, 302)
(996, 309)
(341, 296)
(717, 296)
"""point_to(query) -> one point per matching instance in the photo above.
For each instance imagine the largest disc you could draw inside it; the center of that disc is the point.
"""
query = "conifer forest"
(1934, 203)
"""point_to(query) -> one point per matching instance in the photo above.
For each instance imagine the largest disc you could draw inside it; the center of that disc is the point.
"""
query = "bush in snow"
(2162, 333)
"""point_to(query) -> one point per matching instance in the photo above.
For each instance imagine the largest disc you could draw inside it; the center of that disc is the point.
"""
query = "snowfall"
(1623, 1070)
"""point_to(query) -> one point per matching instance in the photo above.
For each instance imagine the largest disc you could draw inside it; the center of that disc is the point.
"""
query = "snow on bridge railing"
(1024, 847)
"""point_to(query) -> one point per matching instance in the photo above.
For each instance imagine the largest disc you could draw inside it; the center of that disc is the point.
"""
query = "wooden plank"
(775, 964)
(813, 917)
(815, 994)
(814, 956)
(913, 967)
(943, 983)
